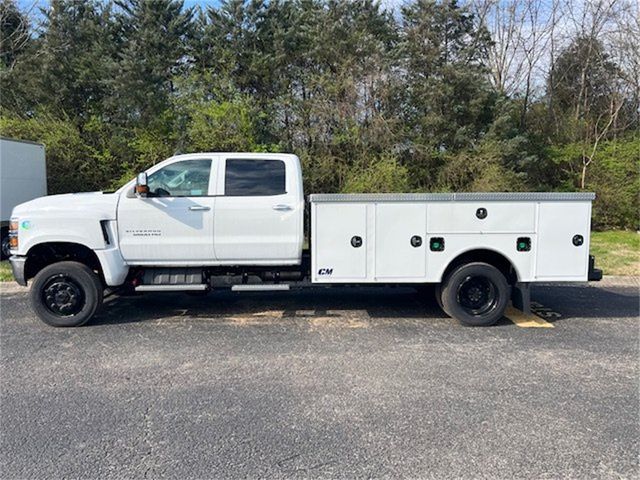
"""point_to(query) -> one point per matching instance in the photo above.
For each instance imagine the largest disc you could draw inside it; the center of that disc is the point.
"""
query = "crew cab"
(210, 221)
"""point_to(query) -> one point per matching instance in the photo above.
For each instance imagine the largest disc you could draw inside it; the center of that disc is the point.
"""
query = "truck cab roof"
(248, 155)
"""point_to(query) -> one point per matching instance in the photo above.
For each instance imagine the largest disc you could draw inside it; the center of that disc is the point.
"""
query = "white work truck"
(210, 221)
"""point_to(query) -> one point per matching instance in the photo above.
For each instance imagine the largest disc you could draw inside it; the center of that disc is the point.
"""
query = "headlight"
(13, 233)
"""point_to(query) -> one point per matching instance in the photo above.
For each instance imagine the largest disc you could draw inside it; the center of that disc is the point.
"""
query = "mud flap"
(521, 297)
(595, 274)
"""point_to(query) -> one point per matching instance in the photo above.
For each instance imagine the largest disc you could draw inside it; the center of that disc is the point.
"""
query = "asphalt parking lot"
(332, 383)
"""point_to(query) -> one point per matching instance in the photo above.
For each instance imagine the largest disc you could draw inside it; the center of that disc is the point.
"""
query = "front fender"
(38, 229)
(114, 268)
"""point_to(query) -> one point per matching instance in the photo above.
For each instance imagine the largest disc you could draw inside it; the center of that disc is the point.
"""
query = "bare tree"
(624, 43)
(505, 23)
(596, 132)
(14, 33)
(521, 31)
(527, 36)
(596, 23)
(540, 18)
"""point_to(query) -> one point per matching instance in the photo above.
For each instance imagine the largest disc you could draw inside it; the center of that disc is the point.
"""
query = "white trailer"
(23, 177)
(209, 221)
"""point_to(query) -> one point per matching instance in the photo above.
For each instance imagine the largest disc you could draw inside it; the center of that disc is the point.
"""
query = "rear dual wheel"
(66, 294)
(476, 294)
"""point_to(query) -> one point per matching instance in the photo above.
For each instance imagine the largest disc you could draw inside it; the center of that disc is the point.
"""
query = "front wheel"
(476, 294)
(5, 248)
(66, 294)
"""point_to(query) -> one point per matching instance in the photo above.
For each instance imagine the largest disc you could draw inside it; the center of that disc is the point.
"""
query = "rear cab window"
(254, 177)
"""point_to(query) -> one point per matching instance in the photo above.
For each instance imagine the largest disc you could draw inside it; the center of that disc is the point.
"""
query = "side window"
(188, 178)
(251, 178)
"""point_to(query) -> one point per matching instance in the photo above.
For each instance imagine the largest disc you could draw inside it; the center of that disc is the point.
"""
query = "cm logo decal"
(325, 271)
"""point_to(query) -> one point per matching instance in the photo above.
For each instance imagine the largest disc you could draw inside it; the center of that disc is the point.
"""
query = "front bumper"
(17, 266)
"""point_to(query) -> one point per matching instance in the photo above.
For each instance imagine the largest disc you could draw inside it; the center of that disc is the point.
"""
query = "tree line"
(483, 95)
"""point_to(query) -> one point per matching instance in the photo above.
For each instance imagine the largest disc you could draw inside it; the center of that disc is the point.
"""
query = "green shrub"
(614, 176)
(223, 127)
(478, 170)
(383, 175)
(72, 165)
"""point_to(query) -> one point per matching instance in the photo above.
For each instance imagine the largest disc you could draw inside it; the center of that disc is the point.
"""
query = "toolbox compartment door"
(396, 257)
(481, 217)
(339, 242)
(559, 256)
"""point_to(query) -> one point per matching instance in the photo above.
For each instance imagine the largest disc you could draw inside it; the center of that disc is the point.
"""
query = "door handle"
(199, 208)
(282, 208)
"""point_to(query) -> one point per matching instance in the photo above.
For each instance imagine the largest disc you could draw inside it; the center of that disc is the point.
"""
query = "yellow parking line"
(526, 321)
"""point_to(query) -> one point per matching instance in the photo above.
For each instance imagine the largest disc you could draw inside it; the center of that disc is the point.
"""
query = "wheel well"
(491, 257)
(45, 254)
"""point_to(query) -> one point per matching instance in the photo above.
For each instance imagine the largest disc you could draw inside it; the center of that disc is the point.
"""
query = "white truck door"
(258, 217)
(174, 223)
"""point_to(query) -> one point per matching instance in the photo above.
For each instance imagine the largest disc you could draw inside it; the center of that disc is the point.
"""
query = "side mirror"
(142, 189)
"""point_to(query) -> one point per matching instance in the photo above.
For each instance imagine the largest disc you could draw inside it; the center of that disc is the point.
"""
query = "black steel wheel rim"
(63, 296)
(477, 295)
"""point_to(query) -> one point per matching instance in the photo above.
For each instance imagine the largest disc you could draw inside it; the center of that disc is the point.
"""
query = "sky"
(34, 5)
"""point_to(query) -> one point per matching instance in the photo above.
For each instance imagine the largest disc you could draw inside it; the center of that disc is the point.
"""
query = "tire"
(66, 294)
(476, 294)
(4, 248)
(438, 295)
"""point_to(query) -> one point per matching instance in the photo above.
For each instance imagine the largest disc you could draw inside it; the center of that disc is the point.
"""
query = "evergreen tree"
(16, 50)
(155, 49)
(75, 58)
(448, 101)
(582, 82)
